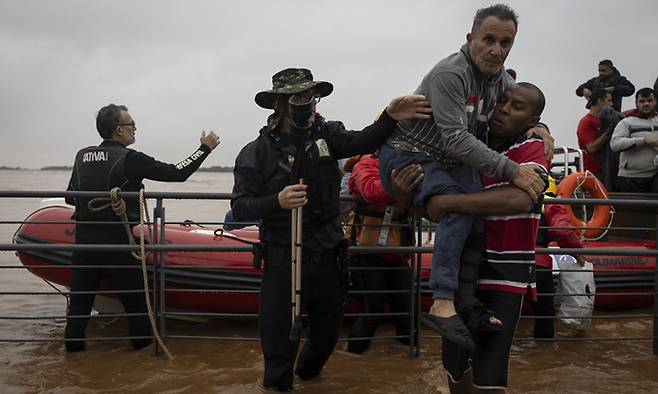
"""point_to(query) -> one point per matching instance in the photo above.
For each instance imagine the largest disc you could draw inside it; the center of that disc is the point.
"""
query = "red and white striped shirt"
(509, 261)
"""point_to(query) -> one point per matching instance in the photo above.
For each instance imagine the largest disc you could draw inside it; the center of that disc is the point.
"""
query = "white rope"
(118, 205)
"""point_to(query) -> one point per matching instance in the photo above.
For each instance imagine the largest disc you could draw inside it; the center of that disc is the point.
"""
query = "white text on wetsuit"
(190, 159)
(94, 156)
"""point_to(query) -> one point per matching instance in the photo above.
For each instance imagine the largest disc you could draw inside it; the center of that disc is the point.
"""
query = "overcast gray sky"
(185, 66)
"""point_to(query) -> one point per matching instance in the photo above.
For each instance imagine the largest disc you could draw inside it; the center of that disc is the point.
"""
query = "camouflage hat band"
(291, 81)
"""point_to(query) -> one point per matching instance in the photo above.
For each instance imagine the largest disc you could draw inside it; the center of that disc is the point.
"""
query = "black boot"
(363, 327)
(464, 385)
(403, 334)
(75, 339)
(304, 374)
(74, 333)
(141, 343)
(543, 308)
(140, 327)
(492, 390)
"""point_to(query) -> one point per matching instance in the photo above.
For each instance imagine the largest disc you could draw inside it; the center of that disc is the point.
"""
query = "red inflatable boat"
(222, 277)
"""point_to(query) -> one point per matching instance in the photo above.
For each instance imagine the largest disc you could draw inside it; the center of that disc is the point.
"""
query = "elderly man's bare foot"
(443, 308)
(444, 319)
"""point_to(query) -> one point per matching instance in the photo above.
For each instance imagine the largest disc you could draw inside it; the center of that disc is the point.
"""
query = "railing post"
(412, 294)
(154, 265)
(160, 212)
(655, 299)
(414, 340)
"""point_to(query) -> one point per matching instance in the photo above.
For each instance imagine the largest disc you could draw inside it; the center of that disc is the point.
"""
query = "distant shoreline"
(69, 168)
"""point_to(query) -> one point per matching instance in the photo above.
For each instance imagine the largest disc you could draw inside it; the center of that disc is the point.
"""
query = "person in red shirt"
(554, 223)
(592, 137)
(377, 220)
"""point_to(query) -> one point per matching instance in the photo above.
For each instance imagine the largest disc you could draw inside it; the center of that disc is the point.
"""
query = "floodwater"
(215, 366)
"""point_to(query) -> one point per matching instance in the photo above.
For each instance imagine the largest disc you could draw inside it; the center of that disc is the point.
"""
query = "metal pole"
(155, 260)
(411, 263)
(293, 269)
(296, 270)
(154, 285)
(162, 265)
(566, 161)
(581, 162)
(415, 327)
(655, 299)
(412, 294)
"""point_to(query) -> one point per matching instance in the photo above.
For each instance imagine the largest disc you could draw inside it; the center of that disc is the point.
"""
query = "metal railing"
(159, 269)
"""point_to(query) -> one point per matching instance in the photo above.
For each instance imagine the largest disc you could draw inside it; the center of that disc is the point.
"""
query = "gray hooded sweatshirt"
(462, 104)
(637, 158)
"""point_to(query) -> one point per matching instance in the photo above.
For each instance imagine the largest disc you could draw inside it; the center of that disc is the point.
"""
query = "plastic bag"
(574, 310)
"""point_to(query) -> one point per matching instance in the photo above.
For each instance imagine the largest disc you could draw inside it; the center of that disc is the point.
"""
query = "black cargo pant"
(490, 359)
(395, 275)
(543, 307)
(322, 301)
(88, 279)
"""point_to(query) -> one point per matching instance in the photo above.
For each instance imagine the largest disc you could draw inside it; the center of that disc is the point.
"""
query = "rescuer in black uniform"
(298, 143)
(101, 168)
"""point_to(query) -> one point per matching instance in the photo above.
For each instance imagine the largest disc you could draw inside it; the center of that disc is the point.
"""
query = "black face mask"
(301, 114)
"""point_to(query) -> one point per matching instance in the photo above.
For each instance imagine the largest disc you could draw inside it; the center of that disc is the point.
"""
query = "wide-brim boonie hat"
(292, 81)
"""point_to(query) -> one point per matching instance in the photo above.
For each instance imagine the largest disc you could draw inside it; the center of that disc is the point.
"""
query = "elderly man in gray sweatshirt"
(451, 147)
(637, 140)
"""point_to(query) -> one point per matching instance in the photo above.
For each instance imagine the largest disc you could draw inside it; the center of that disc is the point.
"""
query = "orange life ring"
(602, 213)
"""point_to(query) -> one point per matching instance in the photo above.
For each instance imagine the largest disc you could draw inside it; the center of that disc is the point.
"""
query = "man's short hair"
(108, 118)
(597, 95)
(500, 11)
(606, 62)
(511, 73)
(645, 92)
(540, 103)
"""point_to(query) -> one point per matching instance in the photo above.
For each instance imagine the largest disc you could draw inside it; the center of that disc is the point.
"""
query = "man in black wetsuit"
(298, 143)
(101, 168)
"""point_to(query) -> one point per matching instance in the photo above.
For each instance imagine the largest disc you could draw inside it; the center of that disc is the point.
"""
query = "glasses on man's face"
(132, 124)
(304, 99)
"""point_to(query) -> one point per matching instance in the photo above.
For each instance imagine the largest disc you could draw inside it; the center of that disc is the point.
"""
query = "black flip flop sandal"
(451, 328)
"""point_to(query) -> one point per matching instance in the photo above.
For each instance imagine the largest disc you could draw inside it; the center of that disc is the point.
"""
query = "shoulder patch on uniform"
(194, 157)
(95, 156)
(323, 149)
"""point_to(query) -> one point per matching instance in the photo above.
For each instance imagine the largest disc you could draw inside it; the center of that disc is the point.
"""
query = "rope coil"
(118, 205)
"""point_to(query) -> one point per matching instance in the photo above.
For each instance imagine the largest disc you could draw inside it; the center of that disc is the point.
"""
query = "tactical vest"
(308, 157)
(101, 168)
(378, 225)
(383, 225)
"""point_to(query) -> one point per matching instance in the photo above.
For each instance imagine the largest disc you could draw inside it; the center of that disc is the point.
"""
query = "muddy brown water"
(215, 366)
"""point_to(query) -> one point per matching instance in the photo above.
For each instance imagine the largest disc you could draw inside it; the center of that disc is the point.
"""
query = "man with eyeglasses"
(101, 168)
(297, 143)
